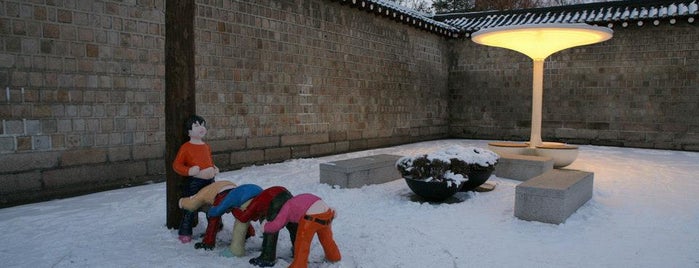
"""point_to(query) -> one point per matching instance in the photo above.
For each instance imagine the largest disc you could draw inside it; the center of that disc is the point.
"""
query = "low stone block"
(357, 172)
(553, 196)
(522, 167)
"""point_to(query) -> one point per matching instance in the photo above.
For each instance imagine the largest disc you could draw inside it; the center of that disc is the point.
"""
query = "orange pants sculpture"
(310, 225)
(313, 217)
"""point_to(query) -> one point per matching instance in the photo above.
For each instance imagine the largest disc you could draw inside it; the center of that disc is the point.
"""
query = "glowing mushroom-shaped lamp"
(538, 41)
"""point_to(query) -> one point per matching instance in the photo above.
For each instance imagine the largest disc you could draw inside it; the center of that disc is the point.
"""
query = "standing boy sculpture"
(194, 162)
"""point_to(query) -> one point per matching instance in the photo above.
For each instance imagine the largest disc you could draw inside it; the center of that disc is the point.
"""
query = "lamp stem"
(537, 99)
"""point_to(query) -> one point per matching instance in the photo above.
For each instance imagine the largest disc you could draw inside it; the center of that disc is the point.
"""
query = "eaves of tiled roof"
(404, 15)
(623, 13)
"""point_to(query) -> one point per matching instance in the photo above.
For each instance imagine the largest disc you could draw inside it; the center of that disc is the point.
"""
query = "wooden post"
(179, 93)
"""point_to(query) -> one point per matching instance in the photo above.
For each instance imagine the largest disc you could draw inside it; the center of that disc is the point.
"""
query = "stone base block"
(553, 196)
(357, 172)
(522, 167)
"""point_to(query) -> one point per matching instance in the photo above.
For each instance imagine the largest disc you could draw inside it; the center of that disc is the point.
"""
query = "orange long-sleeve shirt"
(191, 155)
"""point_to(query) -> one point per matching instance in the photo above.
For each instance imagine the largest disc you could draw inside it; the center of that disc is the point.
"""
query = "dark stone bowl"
(476, 177)
(432, 190)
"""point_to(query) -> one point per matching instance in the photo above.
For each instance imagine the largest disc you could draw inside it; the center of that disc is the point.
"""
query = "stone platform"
(522, 167)
(357, 172)
(546, 194)
(553, 196)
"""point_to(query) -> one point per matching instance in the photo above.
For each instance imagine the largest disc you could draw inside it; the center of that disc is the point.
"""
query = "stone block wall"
(639, 89)
(288, 79)
(81, 101)
(82, 88)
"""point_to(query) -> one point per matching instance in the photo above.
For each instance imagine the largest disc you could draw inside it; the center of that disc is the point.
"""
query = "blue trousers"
(190, 188)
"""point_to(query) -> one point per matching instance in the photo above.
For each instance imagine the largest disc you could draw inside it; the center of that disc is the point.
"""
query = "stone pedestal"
(553, 196)
(357, 172)
(522, 167)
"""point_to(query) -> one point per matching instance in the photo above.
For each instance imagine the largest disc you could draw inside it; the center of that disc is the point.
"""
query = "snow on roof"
(405, 15)
(603, 13)
(457, 25)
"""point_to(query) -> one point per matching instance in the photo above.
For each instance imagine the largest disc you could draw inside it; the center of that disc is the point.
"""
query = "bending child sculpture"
(266, 206)
(313, 216)
(194, 161)
(223, 196)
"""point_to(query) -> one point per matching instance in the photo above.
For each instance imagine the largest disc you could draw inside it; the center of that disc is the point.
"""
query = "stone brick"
(608, 135)
(20, 79)
(24, 143)
(116, 154)
(247, 157)
(354, 135)
(157, 167)
(690, 147)
(277, 154)
(19, 162)
(302, 151)
(83, 156)
(148, 151)
(68, 32)
(13, 44)
(262, 142)
(14, 127)
(64, 125)
(7, 61)
(288, 140)
(221, 160)
(93, 174)
(356, 145)
(379, 142)
(32, 127)
(25, 181)
(64, 16)
(41, 142)
(40, 13)
(30, 46)
(7, 144)
(227, 145)
(51, 31)
(58, 141)
(92, 50)
(322, 149)
(342, 146)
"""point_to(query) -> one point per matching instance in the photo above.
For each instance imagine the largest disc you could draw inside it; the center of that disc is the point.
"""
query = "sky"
(644, 212)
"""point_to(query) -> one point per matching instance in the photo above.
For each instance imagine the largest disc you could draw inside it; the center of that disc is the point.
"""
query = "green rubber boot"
(292, 227)
(268, 257)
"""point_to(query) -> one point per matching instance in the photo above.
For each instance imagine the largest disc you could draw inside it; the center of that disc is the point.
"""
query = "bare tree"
(561, 2)
(419, 5)
(505, 4)
(550, 3)
(445, 6)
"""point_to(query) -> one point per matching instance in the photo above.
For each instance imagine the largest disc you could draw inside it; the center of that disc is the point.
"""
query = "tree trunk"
(179, 93)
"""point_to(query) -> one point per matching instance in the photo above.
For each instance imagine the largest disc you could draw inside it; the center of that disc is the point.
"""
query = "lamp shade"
(538, 41)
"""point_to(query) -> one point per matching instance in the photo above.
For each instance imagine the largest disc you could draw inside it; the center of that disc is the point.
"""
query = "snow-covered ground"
(644, 213)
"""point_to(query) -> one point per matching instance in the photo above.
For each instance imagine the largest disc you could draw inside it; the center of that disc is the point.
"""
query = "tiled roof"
(607, 14)
(405, 15)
